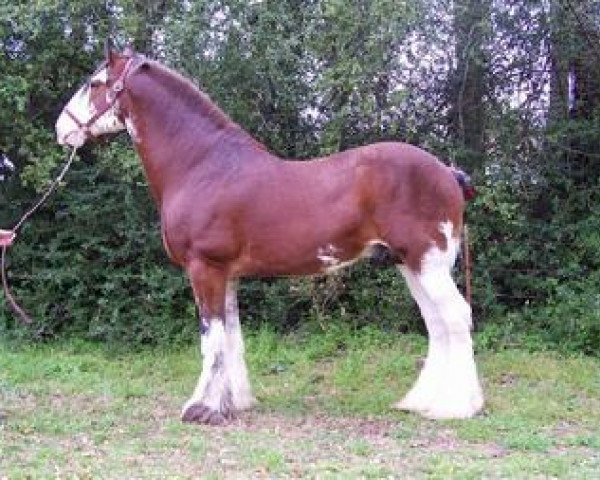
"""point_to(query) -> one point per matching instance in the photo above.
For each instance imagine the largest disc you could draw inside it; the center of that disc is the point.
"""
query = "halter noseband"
(112, 96)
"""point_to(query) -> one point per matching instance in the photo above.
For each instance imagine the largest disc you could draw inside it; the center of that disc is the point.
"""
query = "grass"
(77, 410)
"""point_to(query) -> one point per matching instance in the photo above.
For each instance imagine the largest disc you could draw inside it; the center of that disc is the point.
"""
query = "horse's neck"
(174, 138)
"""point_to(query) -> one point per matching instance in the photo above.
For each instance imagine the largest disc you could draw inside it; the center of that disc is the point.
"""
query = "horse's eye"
(95, 83)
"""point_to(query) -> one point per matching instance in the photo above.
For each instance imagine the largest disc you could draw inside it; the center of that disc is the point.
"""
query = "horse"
(231, 209)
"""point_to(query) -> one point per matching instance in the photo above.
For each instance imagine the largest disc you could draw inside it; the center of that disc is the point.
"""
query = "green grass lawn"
(75, 410)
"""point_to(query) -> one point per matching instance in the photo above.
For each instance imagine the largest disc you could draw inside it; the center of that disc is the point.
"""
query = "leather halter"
(112, 96)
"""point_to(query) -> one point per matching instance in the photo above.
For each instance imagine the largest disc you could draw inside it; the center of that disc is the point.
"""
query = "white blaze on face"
(81, 106)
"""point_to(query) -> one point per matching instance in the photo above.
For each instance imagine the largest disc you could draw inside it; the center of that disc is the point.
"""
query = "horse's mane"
(188, 93)
(195, 100)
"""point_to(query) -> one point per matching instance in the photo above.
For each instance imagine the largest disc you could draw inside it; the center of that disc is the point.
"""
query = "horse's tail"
(464, 180)
(469, 192)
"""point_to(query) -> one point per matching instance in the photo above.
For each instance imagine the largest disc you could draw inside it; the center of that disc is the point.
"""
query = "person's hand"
(6, 237)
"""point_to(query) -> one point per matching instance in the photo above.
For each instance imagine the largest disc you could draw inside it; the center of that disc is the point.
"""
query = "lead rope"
(467, 264)
(9, 297)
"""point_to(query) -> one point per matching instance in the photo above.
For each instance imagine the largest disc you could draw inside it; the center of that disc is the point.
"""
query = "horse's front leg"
(213, 400)
(234, 355)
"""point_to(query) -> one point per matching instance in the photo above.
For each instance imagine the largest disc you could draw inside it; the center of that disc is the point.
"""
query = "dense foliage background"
(509, 90)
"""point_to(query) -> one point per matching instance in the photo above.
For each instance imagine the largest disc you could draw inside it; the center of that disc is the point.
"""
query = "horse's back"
(402, 177)
(378, 184)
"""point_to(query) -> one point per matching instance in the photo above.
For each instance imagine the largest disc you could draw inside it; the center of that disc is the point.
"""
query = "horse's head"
(95, 108)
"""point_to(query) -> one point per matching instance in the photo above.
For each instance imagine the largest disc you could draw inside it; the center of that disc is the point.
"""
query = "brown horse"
(231, 209)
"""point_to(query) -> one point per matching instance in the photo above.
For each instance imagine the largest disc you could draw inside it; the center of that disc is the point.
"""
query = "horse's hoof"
(199, 413)
(246, 403)
(466, 408)
(443, 410)
(406, 406)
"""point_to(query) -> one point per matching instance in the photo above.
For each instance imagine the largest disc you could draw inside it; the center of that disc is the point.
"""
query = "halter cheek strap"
(81, 126)
(112, 96)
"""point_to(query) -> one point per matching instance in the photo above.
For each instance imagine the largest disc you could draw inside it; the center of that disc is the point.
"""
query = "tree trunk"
(468, 83)
(575, 88)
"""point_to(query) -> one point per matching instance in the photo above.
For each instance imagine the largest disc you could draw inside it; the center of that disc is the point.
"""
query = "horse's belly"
(323, 258)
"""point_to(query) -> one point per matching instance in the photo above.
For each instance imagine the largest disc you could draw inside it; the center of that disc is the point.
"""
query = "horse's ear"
(109, 53)
(129, 51)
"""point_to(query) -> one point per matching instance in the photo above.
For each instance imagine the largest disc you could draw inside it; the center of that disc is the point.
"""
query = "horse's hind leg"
(448, 386)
